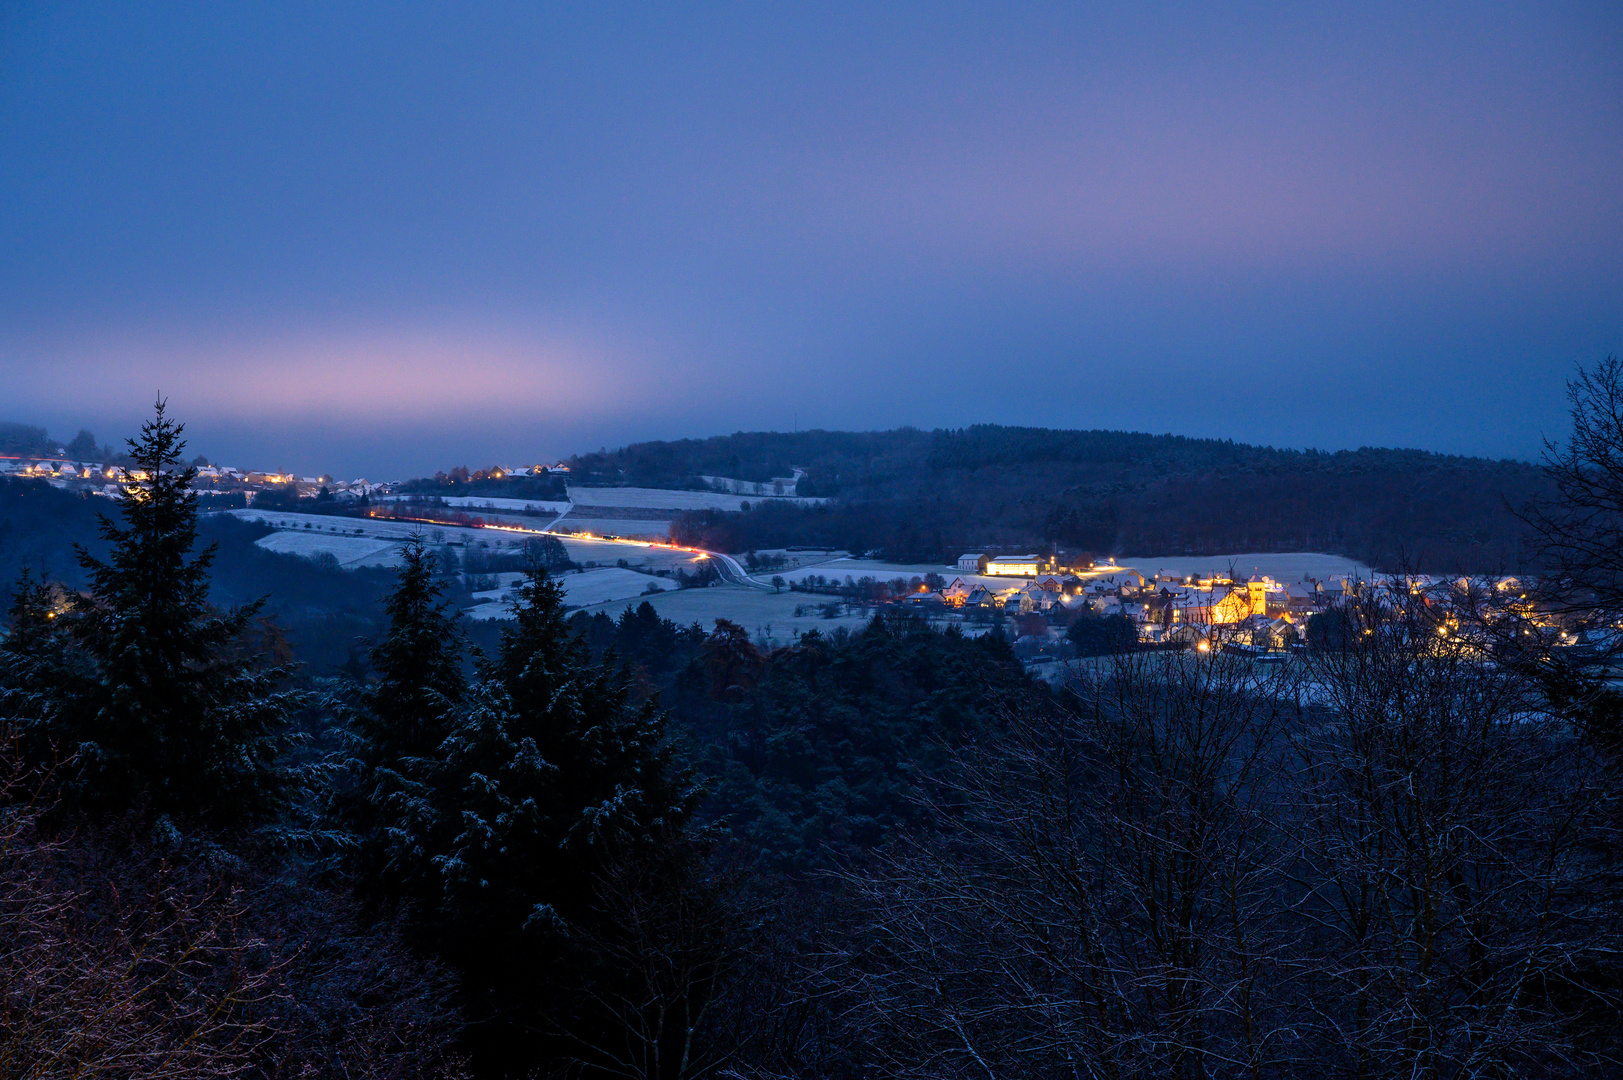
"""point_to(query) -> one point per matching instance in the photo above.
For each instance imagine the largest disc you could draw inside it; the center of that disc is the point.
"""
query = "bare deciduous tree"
(1095, 899)
(1578, 535)
(677, 996)
(1387, 860)
(1444, 857)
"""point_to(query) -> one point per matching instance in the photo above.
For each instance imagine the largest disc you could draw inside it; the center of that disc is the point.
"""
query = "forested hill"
(758, 456)
(929, 495)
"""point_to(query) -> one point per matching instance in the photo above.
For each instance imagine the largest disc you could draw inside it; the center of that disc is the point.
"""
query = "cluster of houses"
(108, 479)
(1214, 611)
(1164, 609)
(104, 478)
(75, 474)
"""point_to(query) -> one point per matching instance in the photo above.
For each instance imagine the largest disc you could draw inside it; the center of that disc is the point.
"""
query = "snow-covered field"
(357, 542)
(752, 487)
(838, 569)
(379, 528)
(581, 551)
(856, 569)
(350, 551)
(481, 502)
(760, 613)
(660, 499)
(637, 530)
(608, 584)
(1285, 566)
(605, 585)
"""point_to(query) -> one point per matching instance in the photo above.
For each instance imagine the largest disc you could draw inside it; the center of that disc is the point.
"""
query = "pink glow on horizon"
(379, 374)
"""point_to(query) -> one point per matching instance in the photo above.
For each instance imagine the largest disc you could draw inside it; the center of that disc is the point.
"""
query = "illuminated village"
(1163, 609)
(1048, 605)
(1051, 610)
(107, 478)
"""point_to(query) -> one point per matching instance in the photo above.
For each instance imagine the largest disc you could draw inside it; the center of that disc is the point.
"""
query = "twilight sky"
(384, 239)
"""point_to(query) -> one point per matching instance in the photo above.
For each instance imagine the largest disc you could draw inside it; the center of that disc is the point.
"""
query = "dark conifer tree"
(395, 734)
(158, 699)
(31, 617)
(29, 656)
(552, 772)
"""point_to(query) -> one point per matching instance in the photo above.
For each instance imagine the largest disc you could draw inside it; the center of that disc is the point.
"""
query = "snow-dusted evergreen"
(155, 697)
(391, 756)
(27, 652)
(489, 814)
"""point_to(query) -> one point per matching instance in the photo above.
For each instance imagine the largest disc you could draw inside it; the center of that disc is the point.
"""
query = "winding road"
(733, 573)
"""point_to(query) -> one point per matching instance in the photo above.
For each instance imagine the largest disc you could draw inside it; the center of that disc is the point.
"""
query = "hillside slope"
(926, 496)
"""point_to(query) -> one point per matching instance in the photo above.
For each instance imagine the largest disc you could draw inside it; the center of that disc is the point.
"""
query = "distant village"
(105, 478)
(1162, 610)
(1048, 605)
(1054, 611)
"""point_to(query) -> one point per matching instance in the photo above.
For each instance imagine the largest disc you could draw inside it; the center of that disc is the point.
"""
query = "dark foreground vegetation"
(603, 847)
(929, 496)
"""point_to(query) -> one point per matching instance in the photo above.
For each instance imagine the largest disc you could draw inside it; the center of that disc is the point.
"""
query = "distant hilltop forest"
(25, 440)
(927, 496)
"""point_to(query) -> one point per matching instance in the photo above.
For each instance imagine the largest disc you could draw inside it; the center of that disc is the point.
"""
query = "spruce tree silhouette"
(391, 754)
(551, 773)
(156, 695)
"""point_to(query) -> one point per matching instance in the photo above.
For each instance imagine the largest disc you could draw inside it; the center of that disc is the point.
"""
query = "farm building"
(1016, 565)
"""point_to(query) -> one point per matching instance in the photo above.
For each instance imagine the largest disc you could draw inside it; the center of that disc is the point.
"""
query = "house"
(1208, 608)
(1187, 635)
(957, 592)
(980, 596)
(1269, 597)
(1282, 633)
(1235, 606)
(1072, 603)
(1342, 584)
(972, 564)
(1307, 596)
(925, 601)
(1033, 598)
(1036, 648)
(1016, 565)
